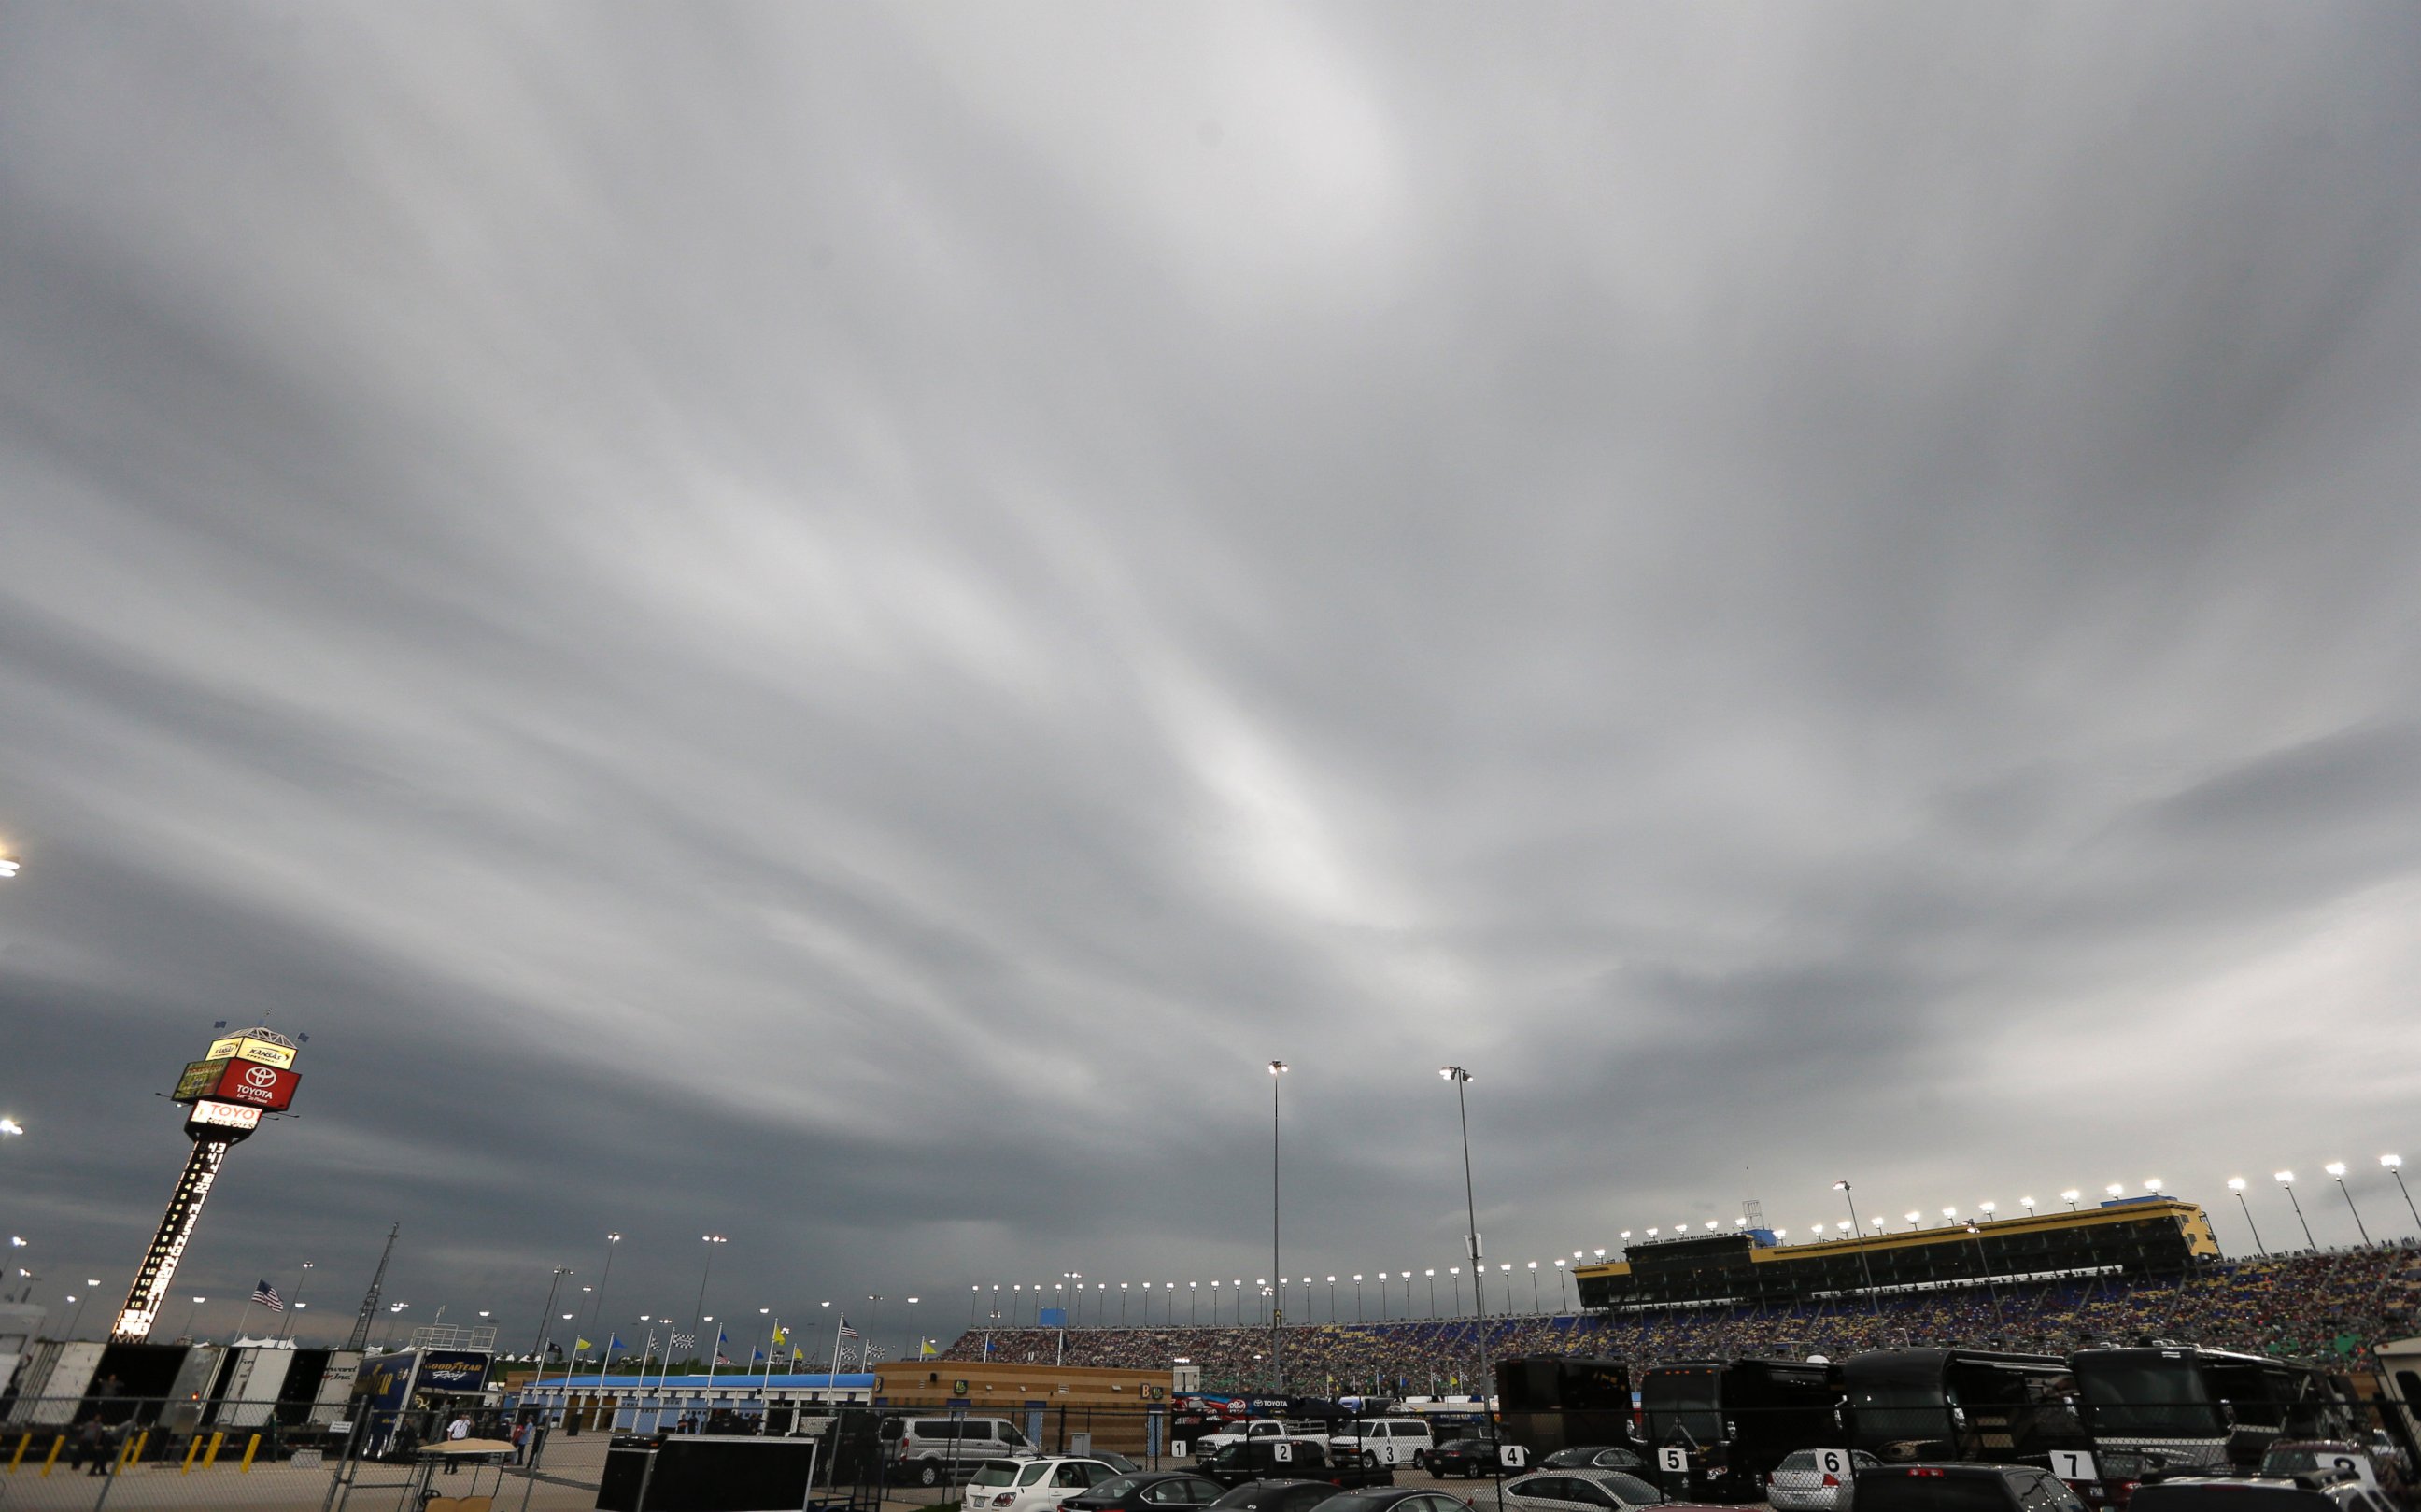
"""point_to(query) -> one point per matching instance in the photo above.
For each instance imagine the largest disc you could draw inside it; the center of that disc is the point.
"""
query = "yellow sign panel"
(258, 1050)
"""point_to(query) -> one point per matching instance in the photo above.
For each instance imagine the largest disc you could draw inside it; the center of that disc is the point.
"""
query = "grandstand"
(2136, 1238)
(2331, 1305)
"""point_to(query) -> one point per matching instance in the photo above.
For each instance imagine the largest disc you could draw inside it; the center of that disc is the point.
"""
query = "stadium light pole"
(1358, 1295)
(2286, 1179)
(2338, 1169)
(1563, 1284)
(1536, 1305)
(1462, 1078)
(1277, 1309)
(2395, 1164)
(2069, 1198)
(712, 1242)
(2028, 1204)
(2236, 1184)
(1454, 1280)
(1858, 1236)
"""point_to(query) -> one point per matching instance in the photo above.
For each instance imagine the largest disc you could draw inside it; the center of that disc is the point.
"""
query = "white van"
(931, 1450)
(1383, 1440)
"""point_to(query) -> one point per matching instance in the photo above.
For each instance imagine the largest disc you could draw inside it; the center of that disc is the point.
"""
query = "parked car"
(1593, 1457)
(1463, 1457)
(1801, 1483)
(1950, 1487)
(1288, 1460)
(1151, 1490)
(929, 1450)
(1383, 1441)
(1117, 1461)
(1260, 1428)
(1031, 1485)
(1277, 1496)
(1580, 1491)
(2289, 1458)
(1396, 1499)
(2256, 1493)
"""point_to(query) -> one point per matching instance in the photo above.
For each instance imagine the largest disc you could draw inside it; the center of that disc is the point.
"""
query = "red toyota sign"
(270, 1088)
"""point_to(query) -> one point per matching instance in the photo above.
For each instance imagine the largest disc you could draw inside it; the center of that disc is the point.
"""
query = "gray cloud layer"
(830, 623)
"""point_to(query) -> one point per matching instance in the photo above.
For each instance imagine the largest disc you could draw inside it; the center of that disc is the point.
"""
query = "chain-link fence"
(100, 1453)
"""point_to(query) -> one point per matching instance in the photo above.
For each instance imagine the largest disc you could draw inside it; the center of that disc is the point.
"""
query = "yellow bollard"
(135, 1450)
(212, 1458)
(193, 1447)
(53, 1458)
(249, 1450)
(23, 1439)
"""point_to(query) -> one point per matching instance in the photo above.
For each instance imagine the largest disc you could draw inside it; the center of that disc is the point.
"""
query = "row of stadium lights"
(2393, 1164)
(1021, 1297)
(1018, 1293)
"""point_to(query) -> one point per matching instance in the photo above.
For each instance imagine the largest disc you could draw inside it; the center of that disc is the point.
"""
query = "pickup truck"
(1258, 1429)
(1273, 1458)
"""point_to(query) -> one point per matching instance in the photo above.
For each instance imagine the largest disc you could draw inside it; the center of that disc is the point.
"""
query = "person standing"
(456, 1433)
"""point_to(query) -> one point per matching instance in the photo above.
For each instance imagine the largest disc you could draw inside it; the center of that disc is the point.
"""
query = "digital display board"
(253, 1085)
(198, 1080)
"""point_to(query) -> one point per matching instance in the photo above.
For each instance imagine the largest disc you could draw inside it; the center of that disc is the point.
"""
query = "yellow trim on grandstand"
(2192, 1221)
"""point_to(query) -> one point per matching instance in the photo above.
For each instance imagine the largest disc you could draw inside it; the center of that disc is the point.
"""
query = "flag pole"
(765, 1387)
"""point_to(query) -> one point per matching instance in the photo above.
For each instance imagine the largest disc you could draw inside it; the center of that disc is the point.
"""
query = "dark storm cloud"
(830, 625)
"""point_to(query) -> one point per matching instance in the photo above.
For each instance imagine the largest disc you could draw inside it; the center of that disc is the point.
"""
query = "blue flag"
(613, 1343)
(756, 1355)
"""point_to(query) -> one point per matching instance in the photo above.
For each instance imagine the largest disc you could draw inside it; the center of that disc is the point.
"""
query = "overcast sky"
(830, 623)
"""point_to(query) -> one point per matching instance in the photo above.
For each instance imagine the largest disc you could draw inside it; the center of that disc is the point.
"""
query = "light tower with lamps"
(242, 1076)
(1865, 1270)
(2286, 1179)
(2395, 1164)
(2336, 1170)
(1462, 1078)
(1277, 1304)
(2236, 1184)
(2069, 1198)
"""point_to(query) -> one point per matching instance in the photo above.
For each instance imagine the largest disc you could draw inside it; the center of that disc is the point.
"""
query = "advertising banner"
(251, 1084)
(221, 1115)
(453, 1370)
(261, 1052)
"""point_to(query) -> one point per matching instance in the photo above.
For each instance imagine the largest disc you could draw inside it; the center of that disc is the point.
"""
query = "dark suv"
(2251, 1493)
(1958, 1487)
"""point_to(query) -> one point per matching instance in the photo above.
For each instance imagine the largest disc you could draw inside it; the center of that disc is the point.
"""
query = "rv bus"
(1961, 1404)
(1734, 1421)
(2178, 1407)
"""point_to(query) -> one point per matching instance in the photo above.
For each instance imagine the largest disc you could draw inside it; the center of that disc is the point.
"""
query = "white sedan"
(1031, 1485)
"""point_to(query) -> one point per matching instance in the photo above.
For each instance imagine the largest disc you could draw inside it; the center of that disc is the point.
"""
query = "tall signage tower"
(226, 1093)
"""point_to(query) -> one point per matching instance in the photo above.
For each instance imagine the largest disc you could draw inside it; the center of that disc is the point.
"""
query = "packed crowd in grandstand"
(2334, 1305)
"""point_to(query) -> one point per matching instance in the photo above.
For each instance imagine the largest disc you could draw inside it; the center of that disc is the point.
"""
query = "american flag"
(266, 1295)
(847, 1332)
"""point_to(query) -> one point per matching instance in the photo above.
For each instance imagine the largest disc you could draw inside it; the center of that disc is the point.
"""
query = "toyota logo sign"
(261, 1077)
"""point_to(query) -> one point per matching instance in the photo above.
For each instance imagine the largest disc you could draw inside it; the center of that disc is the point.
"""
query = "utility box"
(705, 1473)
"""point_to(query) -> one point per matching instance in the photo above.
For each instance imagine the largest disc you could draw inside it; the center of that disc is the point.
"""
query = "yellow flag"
(924, 1348)
(781, 1336)
(582, 1345)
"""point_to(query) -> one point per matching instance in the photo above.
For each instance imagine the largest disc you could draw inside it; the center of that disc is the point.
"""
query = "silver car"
(1580, 1491)
(1801, 1483)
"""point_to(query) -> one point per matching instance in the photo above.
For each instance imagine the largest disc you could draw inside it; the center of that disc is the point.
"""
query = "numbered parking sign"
(2358, 1466)
(1179, 1448)
(1834, 1462)
(1673, 1458)
(2073, 1464)
(1282, 1452)
(1512, 1456)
